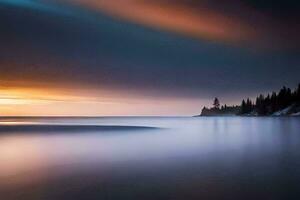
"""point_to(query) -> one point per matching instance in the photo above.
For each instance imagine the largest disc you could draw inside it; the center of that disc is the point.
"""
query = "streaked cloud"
(230, 21)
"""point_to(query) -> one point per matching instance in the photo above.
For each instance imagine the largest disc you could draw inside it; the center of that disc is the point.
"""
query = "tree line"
(217, 109)
(271, 103)
(262, 106)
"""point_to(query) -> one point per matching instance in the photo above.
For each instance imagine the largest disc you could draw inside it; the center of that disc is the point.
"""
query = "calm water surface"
(149, 158)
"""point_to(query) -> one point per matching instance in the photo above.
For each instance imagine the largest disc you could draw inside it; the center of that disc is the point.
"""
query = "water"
(149, 158)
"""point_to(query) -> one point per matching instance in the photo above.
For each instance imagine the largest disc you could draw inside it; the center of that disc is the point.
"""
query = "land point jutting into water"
(286, 102)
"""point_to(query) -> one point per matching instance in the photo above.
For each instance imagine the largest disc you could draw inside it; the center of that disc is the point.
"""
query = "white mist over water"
(149, 158)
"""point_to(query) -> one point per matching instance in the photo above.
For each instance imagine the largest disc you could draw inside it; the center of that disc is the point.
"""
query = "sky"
(143, 57)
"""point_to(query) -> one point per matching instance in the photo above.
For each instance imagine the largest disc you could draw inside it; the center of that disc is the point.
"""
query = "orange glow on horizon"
(54, 102)
(25, 96)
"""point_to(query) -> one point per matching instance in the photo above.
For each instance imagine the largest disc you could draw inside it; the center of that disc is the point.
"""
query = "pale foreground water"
(149, 158)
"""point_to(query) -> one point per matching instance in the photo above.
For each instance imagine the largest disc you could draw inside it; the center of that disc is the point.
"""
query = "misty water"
(149, 158)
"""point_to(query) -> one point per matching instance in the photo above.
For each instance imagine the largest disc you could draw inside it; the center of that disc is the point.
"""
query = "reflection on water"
(182, 158)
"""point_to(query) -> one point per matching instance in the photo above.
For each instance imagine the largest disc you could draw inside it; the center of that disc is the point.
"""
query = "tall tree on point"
(216, 103)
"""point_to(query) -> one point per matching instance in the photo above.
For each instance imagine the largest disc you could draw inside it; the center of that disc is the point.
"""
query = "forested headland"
(285, 102)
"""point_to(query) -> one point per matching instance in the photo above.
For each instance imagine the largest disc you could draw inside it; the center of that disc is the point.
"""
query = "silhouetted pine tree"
(274, 103)
(267, 103)
(248, 106)
(294, 96)
(282, 102)
(298, 94)
(260, 105)
(216, 103)
(288, 97)
(243, 108)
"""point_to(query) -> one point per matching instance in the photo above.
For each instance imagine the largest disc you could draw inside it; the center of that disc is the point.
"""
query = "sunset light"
(149, 99)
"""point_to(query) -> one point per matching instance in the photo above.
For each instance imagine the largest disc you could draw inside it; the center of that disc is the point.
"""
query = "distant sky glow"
(142, 57)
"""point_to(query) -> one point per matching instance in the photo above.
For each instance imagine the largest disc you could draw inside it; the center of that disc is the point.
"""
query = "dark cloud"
(276, 8)
(283, 9)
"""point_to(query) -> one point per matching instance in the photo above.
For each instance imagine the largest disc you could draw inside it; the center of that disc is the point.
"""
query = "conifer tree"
(216, 103)
(298, 94)
(274, 103)
(243, 107)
